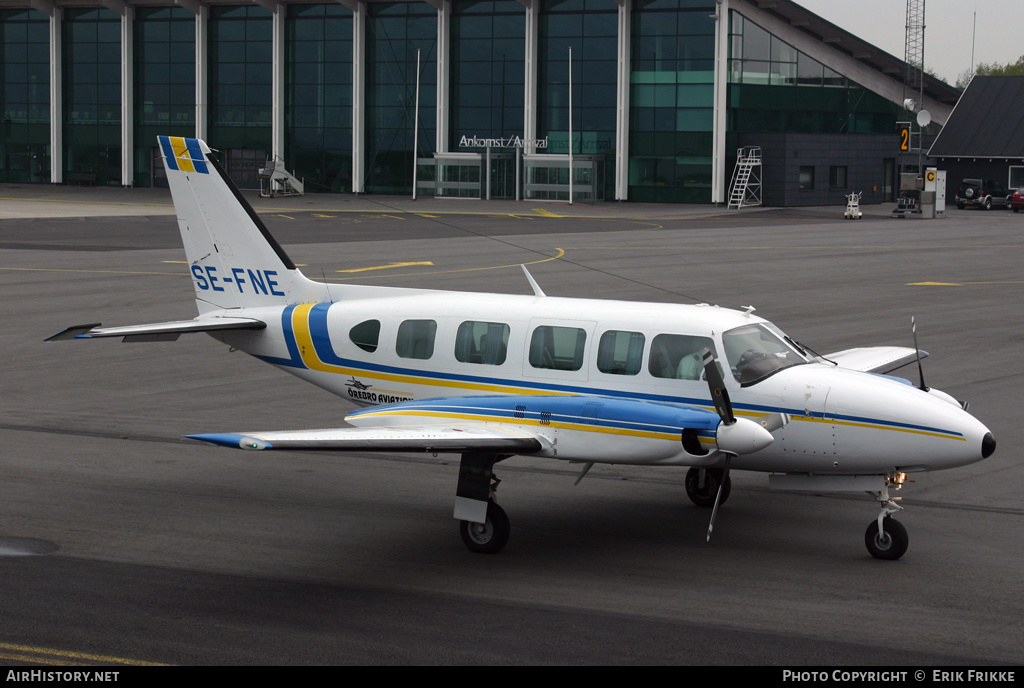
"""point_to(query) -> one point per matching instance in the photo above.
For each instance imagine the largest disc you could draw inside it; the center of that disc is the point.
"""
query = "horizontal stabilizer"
(875, 359)
(429, 438)
(166, 331)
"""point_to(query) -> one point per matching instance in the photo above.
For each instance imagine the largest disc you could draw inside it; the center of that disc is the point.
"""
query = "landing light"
(896, 479)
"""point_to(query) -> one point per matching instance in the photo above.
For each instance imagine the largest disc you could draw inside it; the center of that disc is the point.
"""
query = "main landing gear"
(489, 537)
(483, 525)
(702, 486)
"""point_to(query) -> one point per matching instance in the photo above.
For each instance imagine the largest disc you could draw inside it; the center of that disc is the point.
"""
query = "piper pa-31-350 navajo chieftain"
(490, 376)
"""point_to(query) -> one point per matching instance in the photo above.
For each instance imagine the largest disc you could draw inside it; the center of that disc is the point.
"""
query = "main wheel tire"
(988, 203)
(489, 537)
(891, 544)
(712, 479)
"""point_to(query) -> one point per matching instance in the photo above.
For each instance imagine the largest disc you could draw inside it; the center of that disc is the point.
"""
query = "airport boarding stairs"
(275, 180)
(745, 188)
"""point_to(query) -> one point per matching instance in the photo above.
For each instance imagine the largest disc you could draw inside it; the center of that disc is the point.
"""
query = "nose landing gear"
(886, 538)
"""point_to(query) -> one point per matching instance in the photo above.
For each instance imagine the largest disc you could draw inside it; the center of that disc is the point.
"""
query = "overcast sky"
(949, 25)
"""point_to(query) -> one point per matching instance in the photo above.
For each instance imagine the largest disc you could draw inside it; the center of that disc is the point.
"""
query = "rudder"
(233, 259)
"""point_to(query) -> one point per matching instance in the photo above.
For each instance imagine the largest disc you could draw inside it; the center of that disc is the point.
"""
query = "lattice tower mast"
(914, 85)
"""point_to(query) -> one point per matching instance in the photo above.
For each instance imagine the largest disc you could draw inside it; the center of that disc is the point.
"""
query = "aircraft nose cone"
(988, 445)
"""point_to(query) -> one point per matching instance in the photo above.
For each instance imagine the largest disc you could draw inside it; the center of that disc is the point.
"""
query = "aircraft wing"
(446, 438)
(158, 332)
(511, 424)
(875, 359)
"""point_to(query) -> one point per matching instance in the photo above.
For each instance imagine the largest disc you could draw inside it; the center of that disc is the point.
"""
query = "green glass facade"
(487, 70)
(241, 97)
(671, 101)
(590, 29)
(92, 96)
(394, 34)
(165, 84)
(345, 100)
(25, 96)
(776, 88)
(318, 115)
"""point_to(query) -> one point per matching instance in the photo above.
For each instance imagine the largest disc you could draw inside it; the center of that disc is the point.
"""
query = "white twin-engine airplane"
(490, 376)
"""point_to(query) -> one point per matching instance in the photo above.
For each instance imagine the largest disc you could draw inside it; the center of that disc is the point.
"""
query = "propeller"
(735, 436)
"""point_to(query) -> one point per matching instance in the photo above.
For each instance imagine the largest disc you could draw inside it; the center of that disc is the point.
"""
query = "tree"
(991, 69)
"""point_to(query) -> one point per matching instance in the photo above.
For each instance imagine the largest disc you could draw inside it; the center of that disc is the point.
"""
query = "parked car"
(983, 193)
(1017, 200)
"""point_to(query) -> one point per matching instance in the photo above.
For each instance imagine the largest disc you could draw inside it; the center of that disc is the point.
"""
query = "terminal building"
(644, 100)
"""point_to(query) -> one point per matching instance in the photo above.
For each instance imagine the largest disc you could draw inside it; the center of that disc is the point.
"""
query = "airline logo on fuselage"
(245, 280)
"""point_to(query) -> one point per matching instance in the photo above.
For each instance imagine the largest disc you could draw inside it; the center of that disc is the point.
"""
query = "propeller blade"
(718, 496)
(719, 394)
(775, 421)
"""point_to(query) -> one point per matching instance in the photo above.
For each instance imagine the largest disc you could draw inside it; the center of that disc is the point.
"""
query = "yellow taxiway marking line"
(561, 252)
(387, 267)
(961, 284)
(45, 655)
(185, 262)
(546, 213)
(111, 272)
(65, 201)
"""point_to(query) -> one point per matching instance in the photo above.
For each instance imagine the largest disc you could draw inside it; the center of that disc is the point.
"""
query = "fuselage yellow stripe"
(304, 341)
(307, 352)
(557, 424)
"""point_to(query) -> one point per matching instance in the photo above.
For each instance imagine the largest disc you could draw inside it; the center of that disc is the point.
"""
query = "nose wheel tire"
(704, 495)
(489, 537)
(891, 543)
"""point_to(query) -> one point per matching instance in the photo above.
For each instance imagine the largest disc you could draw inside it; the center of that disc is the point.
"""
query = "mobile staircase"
(275, 180)
(745, 188)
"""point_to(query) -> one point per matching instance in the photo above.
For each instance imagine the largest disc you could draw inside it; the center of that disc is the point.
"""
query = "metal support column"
(127, 95)
(622, 102)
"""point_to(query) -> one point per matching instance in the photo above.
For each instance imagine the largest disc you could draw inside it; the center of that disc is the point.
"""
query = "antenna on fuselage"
(917, 350)
(537, 291)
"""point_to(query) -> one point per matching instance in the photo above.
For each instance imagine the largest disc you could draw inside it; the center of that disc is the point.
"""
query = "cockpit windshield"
(759, 350)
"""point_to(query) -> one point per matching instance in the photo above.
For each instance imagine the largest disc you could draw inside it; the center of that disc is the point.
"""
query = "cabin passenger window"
(365, 335)
(558, 348)
(620, 353)
(678, 356)
(416, 339)
(481, 342)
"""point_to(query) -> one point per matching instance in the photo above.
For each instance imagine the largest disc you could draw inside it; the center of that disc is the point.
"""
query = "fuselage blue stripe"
(324, 350)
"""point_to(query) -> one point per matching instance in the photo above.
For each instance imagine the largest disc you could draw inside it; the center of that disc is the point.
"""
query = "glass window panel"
(620, 353)
(557, 348)
(481, 342)
(678, 357)
(694, 119)
(756, 42)
(365, 335)
(416, 339)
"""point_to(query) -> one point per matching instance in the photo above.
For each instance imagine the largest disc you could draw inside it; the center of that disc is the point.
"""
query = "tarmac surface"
(122, 544)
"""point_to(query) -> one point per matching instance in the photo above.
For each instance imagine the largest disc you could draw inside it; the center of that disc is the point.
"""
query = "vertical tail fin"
(234, 260)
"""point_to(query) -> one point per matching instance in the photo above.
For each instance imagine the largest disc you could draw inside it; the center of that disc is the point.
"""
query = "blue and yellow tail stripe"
(183, 154)
(309, 347)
